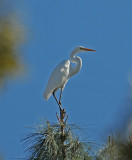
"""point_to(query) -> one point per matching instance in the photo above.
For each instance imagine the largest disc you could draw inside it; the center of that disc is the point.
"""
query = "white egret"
(62, 73)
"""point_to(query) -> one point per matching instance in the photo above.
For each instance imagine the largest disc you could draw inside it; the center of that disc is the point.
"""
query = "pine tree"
(57, 142)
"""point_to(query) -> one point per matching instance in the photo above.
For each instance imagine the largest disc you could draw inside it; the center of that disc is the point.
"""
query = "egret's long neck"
(76, 60)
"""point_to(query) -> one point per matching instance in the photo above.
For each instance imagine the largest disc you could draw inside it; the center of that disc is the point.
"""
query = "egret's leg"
(60, 96)
(56, 98)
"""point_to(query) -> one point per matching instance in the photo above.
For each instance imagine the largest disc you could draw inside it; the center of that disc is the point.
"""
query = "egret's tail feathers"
(46, 96)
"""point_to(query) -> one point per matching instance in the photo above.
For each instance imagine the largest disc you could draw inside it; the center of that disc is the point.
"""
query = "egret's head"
(76, 59)
(83, 49)
(80, 49)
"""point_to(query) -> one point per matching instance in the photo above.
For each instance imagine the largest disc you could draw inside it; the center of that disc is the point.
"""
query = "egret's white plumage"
(58, 78)
(63, 72)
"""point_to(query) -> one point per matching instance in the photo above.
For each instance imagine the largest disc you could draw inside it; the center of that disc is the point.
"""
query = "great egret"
(62, 73)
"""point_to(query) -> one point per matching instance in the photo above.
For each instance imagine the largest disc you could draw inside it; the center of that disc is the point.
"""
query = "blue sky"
(95, 95)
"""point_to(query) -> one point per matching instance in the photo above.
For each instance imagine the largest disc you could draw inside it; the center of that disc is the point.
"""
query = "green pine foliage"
(125, 149)
(11, 37)
(45, 144)
(109, 151)
(116, 148)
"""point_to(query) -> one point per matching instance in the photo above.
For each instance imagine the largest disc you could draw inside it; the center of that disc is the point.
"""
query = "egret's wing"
(57, 79)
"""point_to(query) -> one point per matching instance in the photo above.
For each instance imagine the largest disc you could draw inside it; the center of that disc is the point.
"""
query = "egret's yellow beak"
(86, 49)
